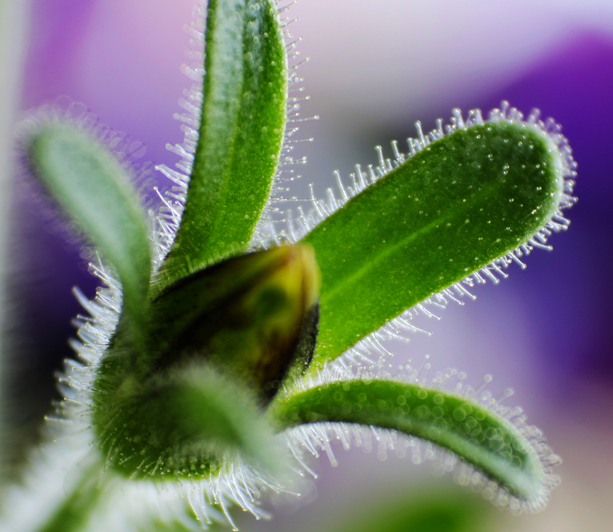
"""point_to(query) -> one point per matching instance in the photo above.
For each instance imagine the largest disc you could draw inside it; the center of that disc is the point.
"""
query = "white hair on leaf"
(72, 441)
(69, 430)
(173, 199)
(314, 439)
(372, 346)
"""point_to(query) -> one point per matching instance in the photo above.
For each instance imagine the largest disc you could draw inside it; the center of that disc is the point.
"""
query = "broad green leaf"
(185, 423)
(92, 188)
(443, 214)
(475, 434)
(241, 132)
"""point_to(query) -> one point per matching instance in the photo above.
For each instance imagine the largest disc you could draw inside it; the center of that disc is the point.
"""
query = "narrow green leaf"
(92, 188)
(449, 210)
(475, 434)
(241, 132)
(186, 423)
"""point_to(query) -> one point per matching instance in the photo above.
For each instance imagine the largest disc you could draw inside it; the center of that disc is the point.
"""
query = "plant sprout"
(232, 339)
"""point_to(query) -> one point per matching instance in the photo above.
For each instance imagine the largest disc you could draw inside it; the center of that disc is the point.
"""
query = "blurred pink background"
(375, 70)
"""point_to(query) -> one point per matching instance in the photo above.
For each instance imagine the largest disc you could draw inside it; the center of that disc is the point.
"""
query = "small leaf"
(476, 435)
(241, 132)
(91, 187)
(447, 211)
(186, 423)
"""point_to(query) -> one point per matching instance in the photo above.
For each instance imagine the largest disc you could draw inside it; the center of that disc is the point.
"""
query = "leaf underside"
(91, 187)
(476, 435)
(443, 214)
(182, 425)
(240, 137)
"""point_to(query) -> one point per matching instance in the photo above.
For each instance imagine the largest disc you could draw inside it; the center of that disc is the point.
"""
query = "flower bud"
(255, 316)
(181, 407)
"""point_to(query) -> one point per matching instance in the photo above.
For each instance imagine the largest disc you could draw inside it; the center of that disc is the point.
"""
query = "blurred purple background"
(545, 332)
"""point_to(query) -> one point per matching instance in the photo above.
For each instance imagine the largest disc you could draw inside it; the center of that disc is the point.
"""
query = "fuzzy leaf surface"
(183, 424)
(240, 136)
(475, 434)
(443, 214)
(92, 188)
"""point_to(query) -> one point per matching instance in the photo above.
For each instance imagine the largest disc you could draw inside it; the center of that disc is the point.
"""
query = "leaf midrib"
(389, 250)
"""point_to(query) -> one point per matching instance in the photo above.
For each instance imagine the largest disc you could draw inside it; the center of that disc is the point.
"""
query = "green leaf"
(92, 188)
(241, 132)
(185, 423)
(428, 510)
(449, 210)
(475, 434)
